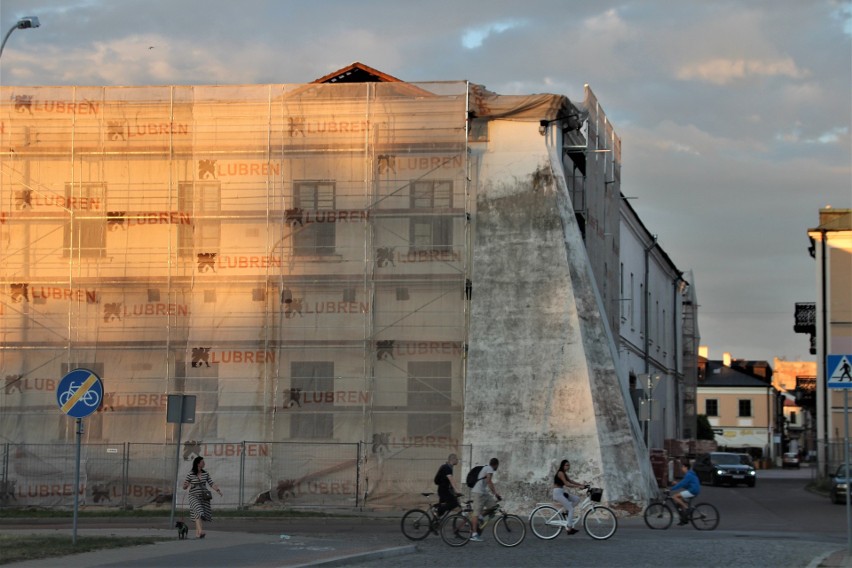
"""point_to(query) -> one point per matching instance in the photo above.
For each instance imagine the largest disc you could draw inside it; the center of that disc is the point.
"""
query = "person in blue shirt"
(687, 488)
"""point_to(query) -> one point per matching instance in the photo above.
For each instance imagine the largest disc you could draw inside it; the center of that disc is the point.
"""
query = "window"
(312, 379)
(85, 235)
(318, 237)
(745, 408)
(202, 201)
(793, 418)
(632, 309)
(711, 407)
(429, 390)
(434, 231)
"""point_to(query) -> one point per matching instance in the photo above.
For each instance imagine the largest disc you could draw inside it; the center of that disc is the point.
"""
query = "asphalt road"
(778, 523)
(775, 524)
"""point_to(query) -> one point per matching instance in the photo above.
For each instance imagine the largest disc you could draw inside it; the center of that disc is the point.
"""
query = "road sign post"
(180, 411)
(838, 375)
(78, 395)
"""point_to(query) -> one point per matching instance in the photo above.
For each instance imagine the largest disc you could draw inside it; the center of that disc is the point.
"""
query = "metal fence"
(254, 474)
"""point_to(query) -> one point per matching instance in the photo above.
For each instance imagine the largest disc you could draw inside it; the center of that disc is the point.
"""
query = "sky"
(734, 115)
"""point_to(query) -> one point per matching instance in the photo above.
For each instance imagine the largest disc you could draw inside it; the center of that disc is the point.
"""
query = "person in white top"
(561, 482)
(484, 495)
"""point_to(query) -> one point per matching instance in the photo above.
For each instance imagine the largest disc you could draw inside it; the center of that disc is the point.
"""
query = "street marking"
(84, 388)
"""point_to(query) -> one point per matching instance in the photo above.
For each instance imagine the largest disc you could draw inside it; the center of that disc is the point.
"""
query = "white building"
(352, 278)
(659, 335)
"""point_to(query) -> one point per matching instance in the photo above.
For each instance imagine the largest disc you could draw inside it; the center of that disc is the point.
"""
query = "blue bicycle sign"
(79, 393)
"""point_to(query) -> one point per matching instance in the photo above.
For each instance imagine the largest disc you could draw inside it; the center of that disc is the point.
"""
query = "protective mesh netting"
(294, 256)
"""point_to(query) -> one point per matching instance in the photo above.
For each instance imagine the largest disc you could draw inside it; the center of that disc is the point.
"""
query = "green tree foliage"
(705, 431)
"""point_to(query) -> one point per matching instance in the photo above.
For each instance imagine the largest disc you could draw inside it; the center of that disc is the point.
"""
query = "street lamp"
(22, 24)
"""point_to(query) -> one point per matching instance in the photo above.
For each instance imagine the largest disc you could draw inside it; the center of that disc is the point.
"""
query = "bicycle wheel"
(658, 516)
(510, 530)
(456, 530)
(705, 517)
(415, 524)
(543, 522)
(600, 522)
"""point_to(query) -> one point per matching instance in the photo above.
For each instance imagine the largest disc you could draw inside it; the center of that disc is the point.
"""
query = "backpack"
(473, 476)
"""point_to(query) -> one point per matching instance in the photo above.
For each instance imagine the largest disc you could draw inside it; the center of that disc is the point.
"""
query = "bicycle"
(659, 516)
(416, 524)
(599, 521)
(509, 530)
(90, 398)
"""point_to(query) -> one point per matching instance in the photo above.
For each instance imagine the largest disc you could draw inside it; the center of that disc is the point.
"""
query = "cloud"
(473, 38)
(721, 71)
(844, 14)
(609, 23)
(833, 136)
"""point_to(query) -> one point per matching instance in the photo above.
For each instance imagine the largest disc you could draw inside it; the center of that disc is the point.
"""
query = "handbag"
(205, 495)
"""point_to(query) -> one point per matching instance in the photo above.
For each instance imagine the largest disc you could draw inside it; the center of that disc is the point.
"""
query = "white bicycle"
(599, 521)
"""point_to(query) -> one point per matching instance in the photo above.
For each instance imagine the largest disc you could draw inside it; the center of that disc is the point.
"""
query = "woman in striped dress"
(197, 481)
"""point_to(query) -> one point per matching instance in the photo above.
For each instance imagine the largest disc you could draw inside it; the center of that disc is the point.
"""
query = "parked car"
(724, 467)
(790, 459)
(745, 459)
(839, 486)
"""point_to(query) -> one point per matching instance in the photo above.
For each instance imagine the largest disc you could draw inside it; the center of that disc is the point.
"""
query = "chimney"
(726, 359)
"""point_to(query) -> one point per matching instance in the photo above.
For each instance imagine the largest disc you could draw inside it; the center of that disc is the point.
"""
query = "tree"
(705, 431)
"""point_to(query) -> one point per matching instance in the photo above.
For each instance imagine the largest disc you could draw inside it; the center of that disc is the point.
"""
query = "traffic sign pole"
(846, 465)
(838, 375)
(78, 395)
(180, 410)
(77, 480)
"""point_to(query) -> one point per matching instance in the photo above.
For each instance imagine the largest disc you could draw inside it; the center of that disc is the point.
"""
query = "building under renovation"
(353, 277)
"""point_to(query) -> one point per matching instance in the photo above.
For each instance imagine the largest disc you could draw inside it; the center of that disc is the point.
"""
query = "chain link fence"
(251, 474)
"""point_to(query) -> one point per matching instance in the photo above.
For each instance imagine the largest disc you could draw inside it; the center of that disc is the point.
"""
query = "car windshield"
(745, 459)
(841, 471)
(726, 459)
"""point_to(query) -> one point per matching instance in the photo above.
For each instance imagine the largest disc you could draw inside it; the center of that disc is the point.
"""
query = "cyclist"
(482, 498)
(687, 488)
(448, 493)
(561, 481)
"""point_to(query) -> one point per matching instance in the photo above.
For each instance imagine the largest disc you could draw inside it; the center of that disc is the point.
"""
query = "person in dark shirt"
(447, 491)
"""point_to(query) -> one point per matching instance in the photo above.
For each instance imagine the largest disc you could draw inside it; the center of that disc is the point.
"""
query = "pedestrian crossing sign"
(839, 371)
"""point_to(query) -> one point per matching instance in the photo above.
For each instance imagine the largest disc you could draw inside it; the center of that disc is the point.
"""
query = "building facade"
(658, 335)
(741, 405)
(831, 247)
(352, 280)
(797, 380)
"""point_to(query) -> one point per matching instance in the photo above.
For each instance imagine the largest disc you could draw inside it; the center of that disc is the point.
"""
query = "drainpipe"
(647, 339)
(769, 429)
(647, 306)
(676, 354)
(823, 394)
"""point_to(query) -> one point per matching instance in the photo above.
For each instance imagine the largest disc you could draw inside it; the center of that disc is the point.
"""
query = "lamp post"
(647, 412)
(22, 24)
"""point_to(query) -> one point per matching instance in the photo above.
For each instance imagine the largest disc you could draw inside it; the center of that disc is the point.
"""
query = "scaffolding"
(295, 256)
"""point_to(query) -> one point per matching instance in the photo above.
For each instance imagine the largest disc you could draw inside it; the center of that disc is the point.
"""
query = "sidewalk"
(218, 549)
(837, 559)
